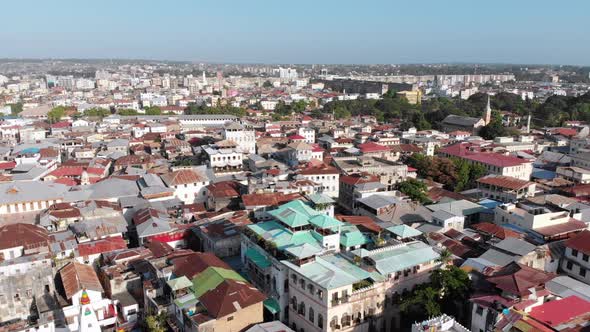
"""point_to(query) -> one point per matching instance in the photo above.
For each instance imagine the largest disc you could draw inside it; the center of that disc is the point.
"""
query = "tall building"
(244, 136)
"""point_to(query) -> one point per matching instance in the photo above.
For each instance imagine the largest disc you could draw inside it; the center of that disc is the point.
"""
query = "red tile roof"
(76, 276)
(372, 147)
(562, 311)
(462, 150)
(269, 199)
(506, 182)
(23, 235)
(101, 246)
(224, 189)
(494, 230)
(518, 279)
(229, 297)
(195, 263)
(355, 179)
(183, 176)
(580, 242)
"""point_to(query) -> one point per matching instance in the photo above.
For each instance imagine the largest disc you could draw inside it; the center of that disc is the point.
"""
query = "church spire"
(488, 114)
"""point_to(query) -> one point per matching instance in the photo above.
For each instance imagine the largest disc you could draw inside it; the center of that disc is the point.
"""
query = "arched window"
(301, 308)
(334, 322)
(320, 321)
(310, 288)
(345, 320)
(311, 315)
(294, 302)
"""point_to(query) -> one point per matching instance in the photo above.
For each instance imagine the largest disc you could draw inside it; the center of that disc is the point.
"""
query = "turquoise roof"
(321, 199)
(403, 257)
(303, 251)
(282, 237)
(290, 217)
(404, 231)
(351, 239)
(259, 259)
(324, 221)
(332, 271)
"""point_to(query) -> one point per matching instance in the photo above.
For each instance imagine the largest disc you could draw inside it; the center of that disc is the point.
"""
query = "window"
(585, 257)
(582, 272)
(569, 265)
(301, 310)
(230, 318)
(479, 310)
(294, 278)
(574, 253)
(320, 321)
(311, 315)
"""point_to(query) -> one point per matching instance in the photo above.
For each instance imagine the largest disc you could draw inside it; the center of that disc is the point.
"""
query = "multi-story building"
(495, 163)
(505, 188)
(576, 261)
(575, 174)
(224, 157)
(189, 185)
(244, 136)
(329, 276)
(327, 177)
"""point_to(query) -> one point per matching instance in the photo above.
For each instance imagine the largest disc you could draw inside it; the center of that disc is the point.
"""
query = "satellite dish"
(584, 132)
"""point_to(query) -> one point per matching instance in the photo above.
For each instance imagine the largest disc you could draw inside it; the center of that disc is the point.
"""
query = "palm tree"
(445, 257)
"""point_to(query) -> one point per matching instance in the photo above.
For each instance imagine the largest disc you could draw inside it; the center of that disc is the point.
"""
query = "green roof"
(186, 301)
(179, 283)
(321, 199)
(211, 278)
(290, 217)
(324, 221)
(403, 257)
(257, 258)
(404, 231)
(282, 237)
(330, 272)
(272, 305)
(351, 239)
(303, 251)
(294, 214)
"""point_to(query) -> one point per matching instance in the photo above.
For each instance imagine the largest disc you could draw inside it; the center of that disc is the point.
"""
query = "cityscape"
(211, 190)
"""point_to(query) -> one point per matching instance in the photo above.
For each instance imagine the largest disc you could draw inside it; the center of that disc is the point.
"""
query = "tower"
(87, 321)
(204, 78)
(488, 115)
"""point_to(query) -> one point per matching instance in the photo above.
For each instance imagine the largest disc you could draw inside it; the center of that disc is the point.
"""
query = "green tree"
(153, 110)
(267, 84)
(494, 128)
(415, 189)
(127, 111)
(97, 112)
(56, 114)
(341, 113)
(16, 108)
(445, 257)
(424, 300)
(156, 323)
(452, 282)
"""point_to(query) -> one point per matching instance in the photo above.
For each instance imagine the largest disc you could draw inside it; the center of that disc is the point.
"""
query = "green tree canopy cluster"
(127, 112)
(283, 109)
(16, 108)
(415, 189)
(203, 109)
(455, 174)
(446, 293)
(97, 112)
(56, 114)
(153, 110)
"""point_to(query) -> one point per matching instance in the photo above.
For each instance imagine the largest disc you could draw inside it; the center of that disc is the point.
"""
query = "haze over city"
(524, 32)
(302, 166)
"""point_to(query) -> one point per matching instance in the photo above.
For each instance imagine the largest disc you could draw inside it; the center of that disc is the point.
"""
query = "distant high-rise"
(288, 73)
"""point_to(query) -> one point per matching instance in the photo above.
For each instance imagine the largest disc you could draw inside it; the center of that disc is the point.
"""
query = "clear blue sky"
(301, 31)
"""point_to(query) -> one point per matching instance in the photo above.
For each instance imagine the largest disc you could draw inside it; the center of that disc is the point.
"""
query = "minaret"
(204, 78)
(488, 115)
(87, 321)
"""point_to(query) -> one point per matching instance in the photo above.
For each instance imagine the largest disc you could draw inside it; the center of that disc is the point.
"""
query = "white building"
(189, 185)
(244, 136)
(308, 133)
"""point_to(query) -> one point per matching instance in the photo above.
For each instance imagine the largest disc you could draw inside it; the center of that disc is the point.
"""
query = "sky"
(301, 31)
